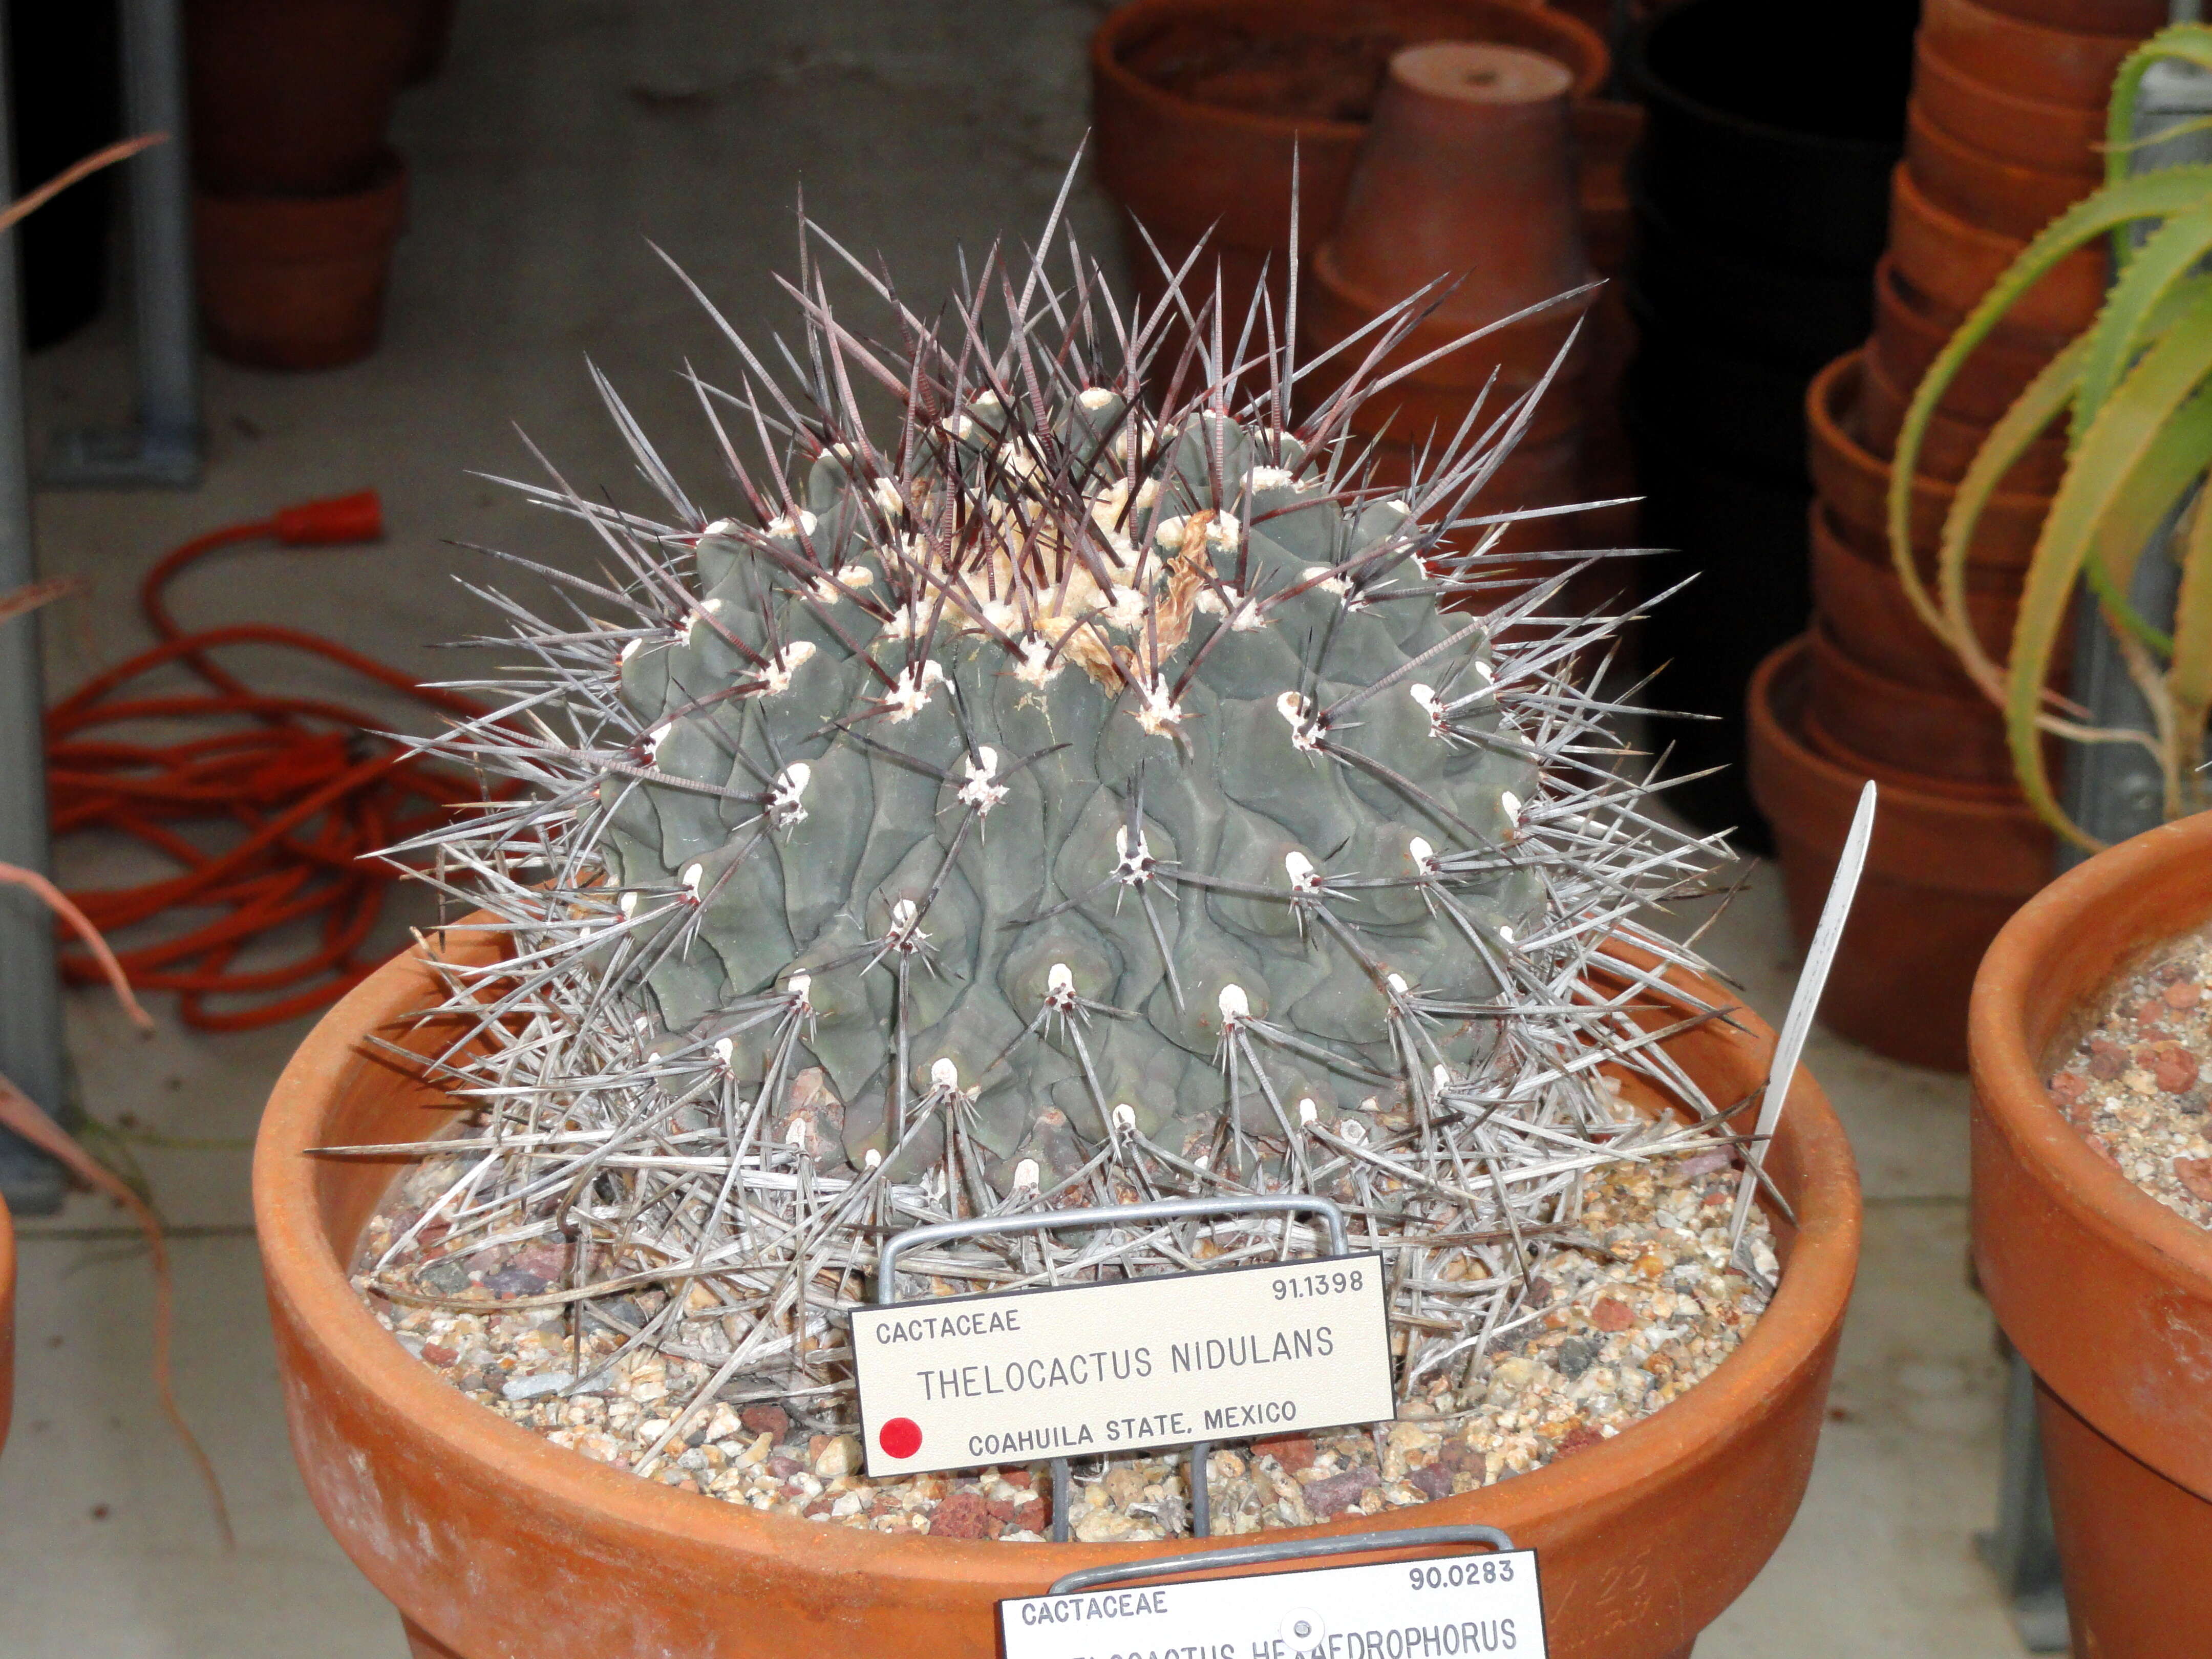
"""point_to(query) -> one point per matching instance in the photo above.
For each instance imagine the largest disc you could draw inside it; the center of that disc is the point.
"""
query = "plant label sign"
(1460, 1606)
(956, 1382)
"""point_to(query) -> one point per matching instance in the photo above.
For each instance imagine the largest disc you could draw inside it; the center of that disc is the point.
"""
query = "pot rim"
(1115, 31)
(2008, 1080)
(1827, 429)
(303, 1272)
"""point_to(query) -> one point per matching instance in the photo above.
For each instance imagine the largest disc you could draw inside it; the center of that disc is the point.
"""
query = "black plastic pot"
(64, 101)
(1741, 305)
(1743, 535)
(1772, 128)
(1746, 415)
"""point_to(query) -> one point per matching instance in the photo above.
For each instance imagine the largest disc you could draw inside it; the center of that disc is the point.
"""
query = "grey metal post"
(163, 447)
(30, 995)
(2113, 791)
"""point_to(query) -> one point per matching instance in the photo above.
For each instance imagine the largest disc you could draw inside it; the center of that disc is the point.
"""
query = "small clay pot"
(1949, 443)
(2063, 65)
(2026, 131)
(1854, 482)
(292, 97)
(1955, 263)
(1909, 330)
(1467, 177)
(1752, 149)
(1187, 165)
(2106, 1292)
(1943, 872)
(1863, 607)
(1984, 190)
(296, 282)
(1950, 738)
(464, 1519)
(7, 1319)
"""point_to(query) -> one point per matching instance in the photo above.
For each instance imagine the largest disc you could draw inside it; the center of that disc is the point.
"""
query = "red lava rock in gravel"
(1612, 1314)
(1539, 1290)
(1022, 1478)
(548, 1261)
(963, 1514)
(1334, 1493)
(1434, 1479)
(2195, 1174)
(1457, 1455)
(1032, 1515)
(2174, 1067)
(434, 1353)
(2183, 995)
(1293, 1451)
(1000, 1510)
(820, 1506)
(513, 1281)
(786, 1466)
(766, 1419)
(1575, 1439)
(2106, 1061)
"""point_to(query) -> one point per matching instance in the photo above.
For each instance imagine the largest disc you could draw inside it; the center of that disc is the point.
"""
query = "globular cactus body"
(1039, 800)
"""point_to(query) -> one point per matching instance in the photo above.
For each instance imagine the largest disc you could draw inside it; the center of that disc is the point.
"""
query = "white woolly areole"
(1397, 983)
(1026, 1173)
(1158, 710)
(1353, 1131)
(1511, 803)
(1300, 869)
(871, 1158)
(981, 791)
(1307, 1112)
(1425, 699)
(627, 905)
(1424, 855)
(691, 877)
(1234, 1004)
(943, 1073)
(788, 524)
(1272, 477)
(630, 650)
(658, 736)
(1327, 583)
(1094, 397)
(776, 676)
(1038, 664)
(783, 801)
(796, 989)
(725, 1050)
(1125, 1116)
(1059, 981)
(1305, 733)
(909, 694)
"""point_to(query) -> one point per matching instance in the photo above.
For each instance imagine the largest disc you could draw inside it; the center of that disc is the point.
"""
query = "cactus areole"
(1034, 799)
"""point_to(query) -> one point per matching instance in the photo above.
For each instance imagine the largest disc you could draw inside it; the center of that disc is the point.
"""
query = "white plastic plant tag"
(956, 1382)
(1460, 1606)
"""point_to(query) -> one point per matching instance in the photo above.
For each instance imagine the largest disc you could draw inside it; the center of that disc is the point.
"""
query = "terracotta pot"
(1467, 176)
(1185, 163)
(1910, 330)
(1949, 444)
(463, 1519)
(1748, 152)
(2026, 131)
(1863, 604)
(2060, 65)
(1943, 872)
(1955, 264)
(292, 97)
(1947, 738)
(1855, 482)
(7, 1319)
(297, 282)
(2106, 1292)
(1984, 190)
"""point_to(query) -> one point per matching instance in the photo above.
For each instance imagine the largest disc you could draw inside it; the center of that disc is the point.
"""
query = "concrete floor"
(563, 135)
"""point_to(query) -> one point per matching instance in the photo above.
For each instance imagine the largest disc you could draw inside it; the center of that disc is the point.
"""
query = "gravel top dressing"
(1637, 1307)
(2136, 1084)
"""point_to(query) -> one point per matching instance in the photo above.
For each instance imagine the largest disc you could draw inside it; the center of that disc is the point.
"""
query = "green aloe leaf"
(2139, 304)
(2128, 469)
(2190, 681)
(2187, 42)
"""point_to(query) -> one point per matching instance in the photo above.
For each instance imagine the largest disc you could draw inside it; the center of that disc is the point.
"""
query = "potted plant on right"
(2092, 1172)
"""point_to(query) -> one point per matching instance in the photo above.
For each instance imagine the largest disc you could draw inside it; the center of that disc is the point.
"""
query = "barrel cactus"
(1040, 797)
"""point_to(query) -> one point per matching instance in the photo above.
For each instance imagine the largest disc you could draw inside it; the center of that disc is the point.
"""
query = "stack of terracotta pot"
(2007, 106)
(1200, 107)
(299, 199)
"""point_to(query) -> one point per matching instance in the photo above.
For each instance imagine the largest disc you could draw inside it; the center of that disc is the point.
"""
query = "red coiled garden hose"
(294, 789)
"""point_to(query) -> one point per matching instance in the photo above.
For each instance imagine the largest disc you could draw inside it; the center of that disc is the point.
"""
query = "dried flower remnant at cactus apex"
(1043, 802)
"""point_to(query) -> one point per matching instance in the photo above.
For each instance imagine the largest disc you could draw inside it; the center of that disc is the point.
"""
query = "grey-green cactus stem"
(1046, 801)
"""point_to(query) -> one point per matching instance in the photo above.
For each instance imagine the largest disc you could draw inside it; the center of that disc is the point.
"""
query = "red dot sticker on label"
(900, 1437)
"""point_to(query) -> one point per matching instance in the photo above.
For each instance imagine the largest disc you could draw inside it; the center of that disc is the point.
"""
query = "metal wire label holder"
(1435, 1607)
(1169, 1210)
